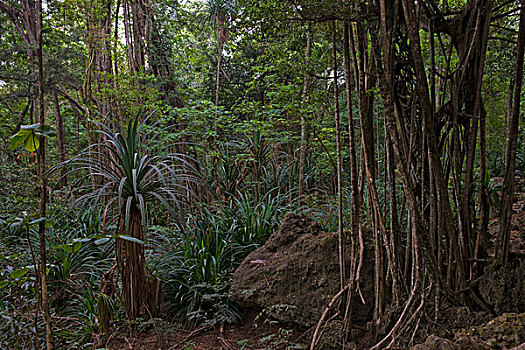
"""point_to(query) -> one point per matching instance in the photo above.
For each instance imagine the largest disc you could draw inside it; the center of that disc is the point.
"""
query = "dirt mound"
(295, 275)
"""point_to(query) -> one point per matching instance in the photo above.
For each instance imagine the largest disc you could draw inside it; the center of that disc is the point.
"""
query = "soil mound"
(295, 275)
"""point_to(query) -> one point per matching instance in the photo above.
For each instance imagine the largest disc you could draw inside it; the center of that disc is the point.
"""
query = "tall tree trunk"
(354, 182)
(217, 83)
(221, 33)
(147, 49)
(354, 185)
(433, 153)
(357, 168)
(302, 151)
(61, 139)
(502, 251)
(138, 292)
(220, 43)
(41, 157)
(366, 82)
(99, 73)
(119, 115)
(479, 111)
(339, 162)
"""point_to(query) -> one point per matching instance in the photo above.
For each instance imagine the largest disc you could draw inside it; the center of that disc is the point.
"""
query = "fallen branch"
(192, 333)
(226, 343)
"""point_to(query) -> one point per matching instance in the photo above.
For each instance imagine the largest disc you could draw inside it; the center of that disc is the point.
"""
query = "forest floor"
(256, 332)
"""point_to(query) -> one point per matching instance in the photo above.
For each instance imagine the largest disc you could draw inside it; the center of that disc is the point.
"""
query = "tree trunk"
(354, 183)
(339, 162)
(302, 151)
(99, 73)
(138, 291)
(61, 139)
(502, 249)
(41, 157)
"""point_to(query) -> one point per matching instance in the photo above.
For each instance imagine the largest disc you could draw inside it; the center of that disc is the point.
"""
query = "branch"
(193, 333)
(503, 39)
(319, 17)
(513, 31)
(9, 9)
(317, 76)
(71, 100)
(15, 16)
(499, 7)
(512, 12)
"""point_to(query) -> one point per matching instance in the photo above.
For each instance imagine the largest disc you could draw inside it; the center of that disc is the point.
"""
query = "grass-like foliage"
(197, 258)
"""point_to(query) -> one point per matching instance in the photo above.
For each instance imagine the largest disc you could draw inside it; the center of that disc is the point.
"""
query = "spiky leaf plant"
(197, 258)
(127, 174)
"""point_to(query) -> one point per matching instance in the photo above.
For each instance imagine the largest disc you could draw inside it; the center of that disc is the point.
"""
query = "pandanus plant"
(128, 173)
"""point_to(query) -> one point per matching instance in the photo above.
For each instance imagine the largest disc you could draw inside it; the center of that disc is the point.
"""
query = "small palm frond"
(131, 169)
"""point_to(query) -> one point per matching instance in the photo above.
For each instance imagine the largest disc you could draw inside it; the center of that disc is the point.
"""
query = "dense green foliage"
(208, 183)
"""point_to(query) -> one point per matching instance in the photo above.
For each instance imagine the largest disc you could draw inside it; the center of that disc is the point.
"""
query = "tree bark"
(339, 161)
(502, 251)
(61, 139)
(302, 151)
(41, 157)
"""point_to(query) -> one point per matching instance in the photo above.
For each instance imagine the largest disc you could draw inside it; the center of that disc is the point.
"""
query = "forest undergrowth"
(148, 147)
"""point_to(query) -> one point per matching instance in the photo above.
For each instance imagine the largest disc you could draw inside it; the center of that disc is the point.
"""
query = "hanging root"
(323, 316)
(403, 326)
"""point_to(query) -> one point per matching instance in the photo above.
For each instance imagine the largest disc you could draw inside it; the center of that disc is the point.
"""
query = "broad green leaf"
(4, 284)
(31, 143)
(18, 273)
(17, 140)
(486, 179)
(70, 248)
(76, 246)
